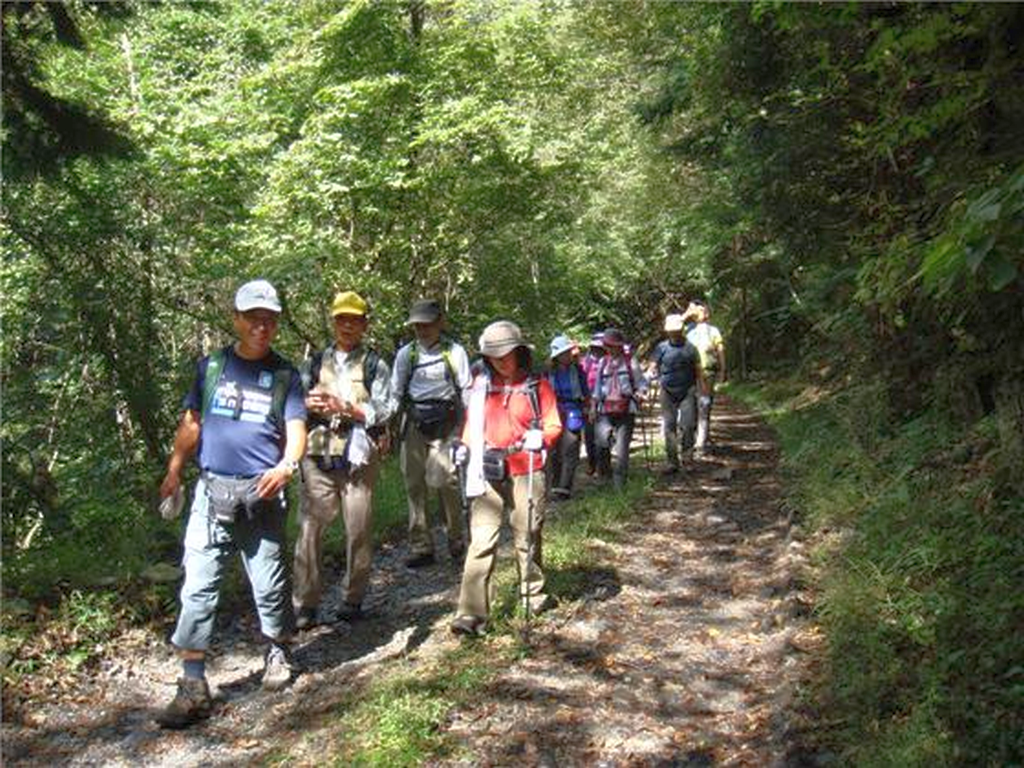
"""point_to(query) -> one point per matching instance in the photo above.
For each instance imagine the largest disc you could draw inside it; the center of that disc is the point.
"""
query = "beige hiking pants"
(427, 464)
(486, 514)
(324, 494)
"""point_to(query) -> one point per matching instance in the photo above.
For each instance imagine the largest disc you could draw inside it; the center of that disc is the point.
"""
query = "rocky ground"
(687, 647)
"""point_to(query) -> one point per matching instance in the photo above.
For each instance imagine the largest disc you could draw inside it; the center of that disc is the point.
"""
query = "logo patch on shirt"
(266, 380)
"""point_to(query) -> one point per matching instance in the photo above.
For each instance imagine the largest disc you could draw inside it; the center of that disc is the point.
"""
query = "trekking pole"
(529, 549)
(461, 465)
(643, 435)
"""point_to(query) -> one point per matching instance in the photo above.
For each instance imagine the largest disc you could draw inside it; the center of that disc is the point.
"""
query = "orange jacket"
(508, 414)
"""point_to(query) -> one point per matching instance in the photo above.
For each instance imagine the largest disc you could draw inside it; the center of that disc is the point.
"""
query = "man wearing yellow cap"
(348, 400)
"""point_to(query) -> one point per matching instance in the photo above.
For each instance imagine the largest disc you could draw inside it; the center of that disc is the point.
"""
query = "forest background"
(844, 184)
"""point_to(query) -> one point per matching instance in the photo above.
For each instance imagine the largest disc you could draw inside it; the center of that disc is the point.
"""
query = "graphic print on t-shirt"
(244, 403)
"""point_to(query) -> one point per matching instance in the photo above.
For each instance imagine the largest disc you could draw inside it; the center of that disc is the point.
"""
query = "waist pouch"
(572, 417)
(229, 496)
(618, 406)
(433, 418)
(329, 463)
(495, 468)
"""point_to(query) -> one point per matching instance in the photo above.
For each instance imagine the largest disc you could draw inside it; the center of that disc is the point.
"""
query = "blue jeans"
(209, 546)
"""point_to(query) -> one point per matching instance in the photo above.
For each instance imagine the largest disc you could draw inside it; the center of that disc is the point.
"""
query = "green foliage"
(922, 582)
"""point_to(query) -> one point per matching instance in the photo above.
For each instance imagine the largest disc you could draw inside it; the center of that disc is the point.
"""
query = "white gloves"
(704, 401)
(460, 454)
(533, 440)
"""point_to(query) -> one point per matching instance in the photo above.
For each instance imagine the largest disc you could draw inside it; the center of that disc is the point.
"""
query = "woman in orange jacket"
(512, 421)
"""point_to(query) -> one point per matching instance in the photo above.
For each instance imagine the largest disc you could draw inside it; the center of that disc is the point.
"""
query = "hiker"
(570, 385)
(348, 396)
(512, 419)
(619, 388)
(681, 380)
(590, 363)
(708, 341)
(245, 415)
(429, 383)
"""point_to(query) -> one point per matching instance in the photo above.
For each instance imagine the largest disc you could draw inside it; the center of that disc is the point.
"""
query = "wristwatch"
(291, 465)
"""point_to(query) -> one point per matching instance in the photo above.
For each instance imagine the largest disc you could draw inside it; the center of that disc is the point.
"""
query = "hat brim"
(421, 320)
(349, 312)
(249, 306)
(503, 348)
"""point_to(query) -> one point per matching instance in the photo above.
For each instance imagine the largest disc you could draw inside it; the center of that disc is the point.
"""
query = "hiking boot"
(278, 670)
(468, 626)
(305, 618)
(420, 560)
(350, 612)
(190, 704)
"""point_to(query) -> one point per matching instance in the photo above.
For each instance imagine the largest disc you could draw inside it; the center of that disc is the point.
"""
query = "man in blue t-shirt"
(681, 377)
(245, 420)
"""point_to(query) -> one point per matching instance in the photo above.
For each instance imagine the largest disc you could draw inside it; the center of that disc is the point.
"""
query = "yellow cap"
(349, 303)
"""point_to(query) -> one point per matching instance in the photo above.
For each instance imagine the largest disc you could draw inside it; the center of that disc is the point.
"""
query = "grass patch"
(922, 583)
(398, 720)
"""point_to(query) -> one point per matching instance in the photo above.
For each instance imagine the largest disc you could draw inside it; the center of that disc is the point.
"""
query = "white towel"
(475, 483)
(358, 447)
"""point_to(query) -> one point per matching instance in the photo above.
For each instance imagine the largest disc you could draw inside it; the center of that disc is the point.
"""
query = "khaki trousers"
(428, 464)
(486, 514)
(324, 494)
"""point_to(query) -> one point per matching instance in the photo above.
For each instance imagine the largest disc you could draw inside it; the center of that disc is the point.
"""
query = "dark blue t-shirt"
(677, 366)
(239, 435)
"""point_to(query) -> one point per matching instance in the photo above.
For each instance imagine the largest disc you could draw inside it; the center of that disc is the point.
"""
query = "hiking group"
(491, 438)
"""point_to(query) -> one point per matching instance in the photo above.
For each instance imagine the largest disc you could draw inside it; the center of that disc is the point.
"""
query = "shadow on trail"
(684, 667)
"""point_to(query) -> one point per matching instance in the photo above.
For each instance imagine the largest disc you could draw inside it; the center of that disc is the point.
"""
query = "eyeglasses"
(256, 318)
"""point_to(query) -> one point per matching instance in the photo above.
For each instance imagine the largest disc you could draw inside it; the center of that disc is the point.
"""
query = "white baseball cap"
(257, 294)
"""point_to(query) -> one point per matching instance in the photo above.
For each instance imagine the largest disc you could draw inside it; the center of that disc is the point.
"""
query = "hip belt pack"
(229, 496)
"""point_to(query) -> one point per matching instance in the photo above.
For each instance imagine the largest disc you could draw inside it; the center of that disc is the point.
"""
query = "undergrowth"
(922, 589)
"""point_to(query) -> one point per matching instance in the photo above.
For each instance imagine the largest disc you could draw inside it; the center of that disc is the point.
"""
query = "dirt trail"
(685, 650)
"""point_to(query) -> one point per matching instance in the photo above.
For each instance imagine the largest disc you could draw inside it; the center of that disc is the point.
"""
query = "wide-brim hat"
(257, 294)
(500, 338)
(424, 311)
(349, 303)
(613, 338)
(560, 344)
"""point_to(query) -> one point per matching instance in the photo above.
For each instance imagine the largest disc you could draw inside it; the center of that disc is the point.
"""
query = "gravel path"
(686, 649)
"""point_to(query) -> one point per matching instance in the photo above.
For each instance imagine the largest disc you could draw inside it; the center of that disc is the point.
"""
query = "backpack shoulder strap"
(282, 380)
(599, 381)
(446, 353)
(370, 362)
(532, 392)
(211, 378)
